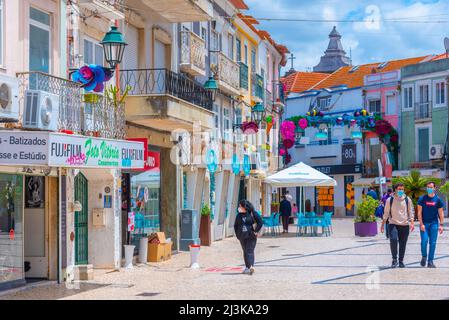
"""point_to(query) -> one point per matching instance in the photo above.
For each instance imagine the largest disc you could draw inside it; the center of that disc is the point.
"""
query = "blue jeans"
(429, 236)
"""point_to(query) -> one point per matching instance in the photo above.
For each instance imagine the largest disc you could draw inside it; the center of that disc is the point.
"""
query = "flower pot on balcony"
(91, 98)
(365, 229)
(205, 229)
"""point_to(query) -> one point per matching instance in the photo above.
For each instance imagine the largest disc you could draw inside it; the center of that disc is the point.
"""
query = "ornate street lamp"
(212, 87)
(258, 112)
(113, 46)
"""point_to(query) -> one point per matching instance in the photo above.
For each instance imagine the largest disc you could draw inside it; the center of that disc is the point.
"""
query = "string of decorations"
(360, 118)
(92, 77)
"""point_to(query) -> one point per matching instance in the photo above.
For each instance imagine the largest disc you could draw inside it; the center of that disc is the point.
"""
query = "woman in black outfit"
(247, 224)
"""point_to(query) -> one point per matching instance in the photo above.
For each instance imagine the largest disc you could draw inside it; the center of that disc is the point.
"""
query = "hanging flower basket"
(288, 143)
(250, 127)
(91, 98)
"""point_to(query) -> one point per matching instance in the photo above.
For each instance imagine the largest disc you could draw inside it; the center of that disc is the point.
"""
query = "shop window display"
(11, 227)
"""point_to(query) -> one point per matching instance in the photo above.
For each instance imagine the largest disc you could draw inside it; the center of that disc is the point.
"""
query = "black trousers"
(398, 235)
(248, 247)
(285, 222)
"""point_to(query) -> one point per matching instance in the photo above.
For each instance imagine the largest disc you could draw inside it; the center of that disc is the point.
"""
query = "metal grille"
(243, 76)
(165, 82)
(81, 220)
(423, 110)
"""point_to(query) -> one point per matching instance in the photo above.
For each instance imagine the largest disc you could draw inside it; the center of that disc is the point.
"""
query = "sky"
(374, 39)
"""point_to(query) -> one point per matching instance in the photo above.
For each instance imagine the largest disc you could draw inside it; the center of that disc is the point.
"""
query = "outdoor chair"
(302, 225)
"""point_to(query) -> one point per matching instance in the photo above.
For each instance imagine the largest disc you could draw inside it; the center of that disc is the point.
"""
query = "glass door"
(39, 41)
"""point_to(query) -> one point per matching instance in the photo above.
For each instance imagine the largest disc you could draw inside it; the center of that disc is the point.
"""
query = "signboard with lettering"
(23, 148)
(349, 154)
(340, 169)
(90, 152)
(152, 158)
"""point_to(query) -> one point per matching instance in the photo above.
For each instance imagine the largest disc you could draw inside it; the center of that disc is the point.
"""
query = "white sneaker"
(251, 270)
(246, 271)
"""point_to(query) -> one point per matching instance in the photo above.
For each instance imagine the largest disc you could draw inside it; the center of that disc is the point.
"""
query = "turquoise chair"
(271, 224)
(328, 222)
(302, 225)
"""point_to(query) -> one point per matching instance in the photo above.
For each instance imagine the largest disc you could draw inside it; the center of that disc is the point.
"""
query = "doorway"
(81, 220)
(35, 228)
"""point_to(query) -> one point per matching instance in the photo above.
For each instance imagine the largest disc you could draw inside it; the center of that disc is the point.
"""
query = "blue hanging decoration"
(235, 164)
(211, 161)
(246, 165)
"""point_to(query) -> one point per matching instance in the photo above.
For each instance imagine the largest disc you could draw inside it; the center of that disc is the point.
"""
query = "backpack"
(391, 204)
(379, 211)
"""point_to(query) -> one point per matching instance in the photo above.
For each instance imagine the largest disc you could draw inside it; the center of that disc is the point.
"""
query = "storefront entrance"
(36, 230)
(81, 220)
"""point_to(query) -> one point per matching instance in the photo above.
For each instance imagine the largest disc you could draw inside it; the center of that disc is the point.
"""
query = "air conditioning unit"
(41, 110)
(436, 152)
(9, 99)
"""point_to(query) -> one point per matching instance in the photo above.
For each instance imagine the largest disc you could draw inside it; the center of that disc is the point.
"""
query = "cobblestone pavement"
(287, 267)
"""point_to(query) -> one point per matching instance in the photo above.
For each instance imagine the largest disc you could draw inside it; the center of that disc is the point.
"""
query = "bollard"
(129, 253)
(143, 250)
(194, 254)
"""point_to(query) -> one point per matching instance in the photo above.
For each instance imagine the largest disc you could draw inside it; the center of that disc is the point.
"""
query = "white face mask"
(241, 210)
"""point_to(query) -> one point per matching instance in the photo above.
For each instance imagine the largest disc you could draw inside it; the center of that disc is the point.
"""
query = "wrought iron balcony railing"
(228, 71)
(278, 92)
(100, 118)
(193, 53)
(423, 110)
(160, 82)
(243, 76)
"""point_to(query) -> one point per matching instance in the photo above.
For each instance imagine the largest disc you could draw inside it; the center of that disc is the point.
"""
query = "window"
(391, 105)
(329, 138)
(204, 34)
(246, 54)
(299, 133)
(93, 52)
(440, 93)
(375, 106)
(231, 46)
(196, 28)
(408, 98)
(39, 41)
(324, 103)
(253, 60)
(238, 116)
(238, 46)
(215, 41)
(226, 124)
(423, 94)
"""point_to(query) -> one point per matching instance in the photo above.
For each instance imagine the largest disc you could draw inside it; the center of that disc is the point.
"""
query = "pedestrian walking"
(247, 225)
(431, 218)
(399, 213)
(385, 197)
(288, 196)
(372, 193)
(286, 211)
(294, 210)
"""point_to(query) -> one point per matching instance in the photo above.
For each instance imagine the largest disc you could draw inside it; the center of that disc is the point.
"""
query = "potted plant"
(365, 224)
(205, 228)
(275, 207)
(415, 186)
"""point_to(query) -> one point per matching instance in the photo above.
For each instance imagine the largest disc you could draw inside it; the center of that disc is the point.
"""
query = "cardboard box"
(157, 235)
(156, 252)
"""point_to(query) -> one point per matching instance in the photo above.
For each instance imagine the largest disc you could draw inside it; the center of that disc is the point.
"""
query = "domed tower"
(334, 57)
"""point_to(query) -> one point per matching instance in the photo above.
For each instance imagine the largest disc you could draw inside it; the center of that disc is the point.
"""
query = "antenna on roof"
(446, 45)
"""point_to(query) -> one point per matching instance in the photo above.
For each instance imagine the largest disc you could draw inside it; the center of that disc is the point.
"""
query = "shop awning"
(300, 175)
(364, 182)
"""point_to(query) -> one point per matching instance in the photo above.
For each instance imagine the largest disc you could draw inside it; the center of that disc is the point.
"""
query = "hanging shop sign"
(25, 148)
(340, 169)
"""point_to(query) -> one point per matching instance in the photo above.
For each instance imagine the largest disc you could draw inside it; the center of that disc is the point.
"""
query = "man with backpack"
(399, 213)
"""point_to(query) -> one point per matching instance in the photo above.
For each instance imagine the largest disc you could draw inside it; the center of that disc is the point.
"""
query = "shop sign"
(23, 148)
(90, 152)
(340, 169)
(152, 158)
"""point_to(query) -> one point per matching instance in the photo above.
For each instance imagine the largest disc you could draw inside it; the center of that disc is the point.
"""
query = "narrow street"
(287, 267)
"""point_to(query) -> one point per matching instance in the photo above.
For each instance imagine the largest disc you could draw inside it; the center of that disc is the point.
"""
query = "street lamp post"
(113, 46)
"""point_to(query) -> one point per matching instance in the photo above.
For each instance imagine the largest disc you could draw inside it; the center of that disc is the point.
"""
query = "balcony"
(423, 111)
(257, 88)
(228, 75)
(100, 117)
(193, 54)
(177, 11)
(165, 100)
(278, 95)
(110, 9)
(243, 76)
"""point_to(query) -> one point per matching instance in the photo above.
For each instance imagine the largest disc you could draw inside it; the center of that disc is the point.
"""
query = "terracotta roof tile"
(354, 79)
(239, 4)
(302, 81)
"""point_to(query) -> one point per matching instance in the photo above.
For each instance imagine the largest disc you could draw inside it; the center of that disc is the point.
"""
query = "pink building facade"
(382, 96)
